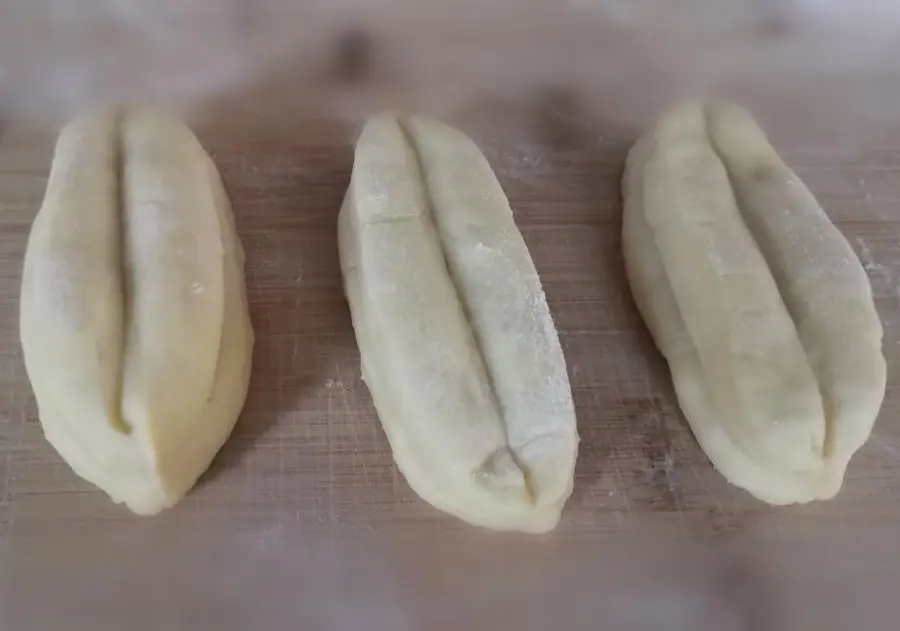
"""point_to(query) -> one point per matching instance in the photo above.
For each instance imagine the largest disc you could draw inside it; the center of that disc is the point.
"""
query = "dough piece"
(757, 301)
(458, 347)
(134, 318)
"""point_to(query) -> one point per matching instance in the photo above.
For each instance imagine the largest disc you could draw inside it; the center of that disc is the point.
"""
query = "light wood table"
(303, 521)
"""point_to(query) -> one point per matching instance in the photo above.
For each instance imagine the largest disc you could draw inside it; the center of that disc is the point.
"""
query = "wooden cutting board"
(303, 521)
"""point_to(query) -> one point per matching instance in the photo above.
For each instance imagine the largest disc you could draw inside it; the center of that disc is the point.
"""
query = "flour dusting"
(871, 265)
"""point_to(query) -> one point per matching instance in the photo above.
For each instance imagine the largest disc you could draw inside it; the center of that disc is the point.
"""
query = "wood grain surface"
(304, 522)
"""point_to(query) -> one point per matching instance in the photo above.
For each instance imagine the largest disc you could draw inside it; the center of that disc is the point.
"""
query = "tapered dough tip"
(379, 134)
(420, 125)
(723, 115)
(738, 137)
(152, 125)
(87, 120)
(683, 120)
(396, 121)
(686, 117)
(375, 126)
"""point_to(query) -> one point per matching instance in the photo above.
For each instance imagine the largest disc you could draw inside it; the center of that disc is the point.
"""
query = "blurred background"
(57, 56)
(303, 521)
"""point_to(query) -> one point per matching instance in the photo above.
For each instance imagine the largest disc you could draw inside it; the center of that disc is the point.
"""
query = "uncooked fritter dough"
(458, 347)
(134, 318)
(757, 301)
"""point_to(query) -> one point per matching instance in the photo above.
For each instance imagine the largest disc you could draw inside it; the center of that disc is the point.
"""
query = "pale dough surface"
(458, 346)
(134, 318)
(757, 301)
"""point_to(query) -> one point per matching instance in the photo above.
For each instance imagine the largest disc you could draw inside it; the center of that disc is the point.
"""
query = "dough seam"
(125, 267)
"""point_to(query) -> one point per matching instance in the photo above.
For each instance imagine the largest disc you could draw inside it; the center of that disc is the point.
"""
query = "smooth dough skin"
(756, 300)
(458, 347)
(134, 319)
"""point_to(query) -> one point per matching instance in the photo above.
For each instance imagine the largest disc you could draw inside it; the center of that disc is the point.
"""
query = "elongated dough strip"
(134, 319)
(457, 343)
(743, 283)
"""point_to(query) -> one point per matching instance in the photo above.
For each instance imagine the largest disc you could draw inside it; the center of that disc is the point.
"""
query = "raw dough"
(757, 301)
(458, 347)
(134, 317)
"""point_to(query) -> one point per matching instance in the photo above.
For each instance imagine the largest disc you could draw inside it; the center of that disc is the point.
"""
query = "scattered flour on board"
(266, 539)
(876, 270)
(868, 196)
(885, 447)
(520, 162)
(868, 260)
